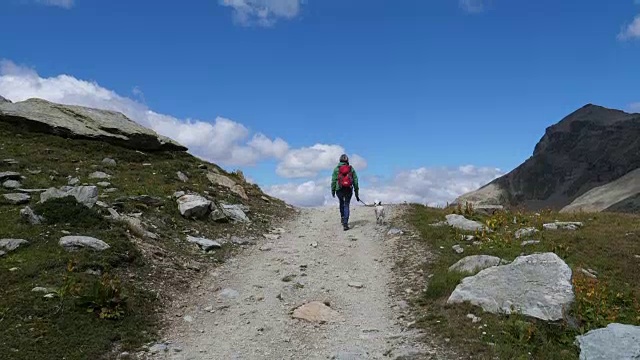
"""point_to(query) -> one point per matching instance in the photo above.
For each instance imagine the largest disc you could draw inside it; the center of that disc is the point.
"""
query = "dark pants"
(344, 196)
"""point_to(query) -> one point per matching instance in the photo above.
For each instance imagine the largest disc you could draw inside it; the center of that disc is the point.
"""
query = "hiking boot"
(345, 227)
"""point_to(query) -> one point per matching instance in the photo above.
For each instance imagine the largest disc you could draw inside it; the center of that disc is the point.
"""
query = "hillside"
(130, 219)
(589, 148)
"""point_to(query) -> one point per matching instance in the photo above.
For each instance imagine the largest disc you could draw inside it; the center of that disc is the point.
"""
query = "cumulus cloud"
(472, 6)
(307, 162)
(262, 12)
(630, 31)
(66, 4)
(431, 186)
(223, 141)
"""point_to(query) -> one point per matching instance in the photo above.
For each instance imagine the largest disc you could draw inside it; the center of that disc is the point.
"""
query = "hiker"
(344, 182)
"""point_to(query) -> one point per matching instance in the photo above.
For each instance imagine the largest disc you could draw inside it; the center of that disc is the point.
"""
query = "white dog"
(379, 212)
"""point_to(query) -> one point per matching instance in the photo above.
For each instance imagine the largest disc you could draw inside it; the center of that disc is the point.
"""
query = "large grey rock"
(462, 223)
(537, 285)
(525, 232)
(193, 206)
(84, 123)
(11, 184)
(9, 175)
(12, 244)
(30, 217)
(616, 341)
(79, 242)
(474, 263)
(234, 212)
(204, 244)
(17, 198)
(86, 195)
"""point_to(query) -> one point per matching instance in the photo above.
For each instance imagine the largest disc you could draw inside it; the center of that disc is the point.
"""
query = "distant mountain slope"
(603, 197)
(589, 148)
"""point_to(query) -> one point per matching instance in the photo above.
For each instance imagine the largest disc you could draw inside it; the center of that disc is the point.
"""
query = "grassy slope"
(608, 243)
(143, 272)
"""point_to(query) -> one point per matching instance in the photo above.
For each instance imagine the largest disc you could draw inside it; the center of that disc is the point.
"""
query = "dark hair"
(344, 158)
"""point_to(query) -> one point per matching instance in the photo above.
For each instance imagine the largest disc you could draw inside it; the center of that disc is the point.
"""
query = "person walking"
(344, 182)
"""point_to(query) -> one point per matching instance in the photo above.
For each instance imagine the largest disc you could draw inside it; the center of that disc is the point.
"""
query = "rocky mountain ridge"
(591, 147)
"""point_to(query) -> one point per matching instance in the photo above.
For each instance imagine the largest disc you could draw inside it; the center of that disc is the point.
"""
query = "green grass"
(607, 244)
(91, 314)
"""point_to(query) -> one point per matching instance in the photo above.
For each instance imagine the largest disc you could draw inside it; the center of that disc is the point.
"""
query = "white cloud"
(307, 194)
(472, 6)
(307, 162)
(223, 141)
(262, 12)
(67, 4)
(634, 107)
(432, 186)
(630, 31)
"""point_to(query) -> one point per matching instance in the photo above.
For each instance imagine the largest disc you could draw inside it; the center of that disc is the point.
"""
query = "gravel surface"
(244, 309)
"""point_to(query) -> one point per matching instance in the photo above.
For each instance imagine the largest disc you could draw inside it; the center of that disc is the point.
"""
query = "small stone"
(71, 243)
(458, 249)
(474, 319)
(266, 247)
(99, 175)
(314, 244)
(271, 236)
(49, 296)
(39, 289)
(182, 177)
(158, 348)
(356, 285)
(530, 242)
(104, 184)
(102, 204)
(27, 215)
(73, 181)
(11, 184)
(188, 318)
(109, 162)
(17, 198)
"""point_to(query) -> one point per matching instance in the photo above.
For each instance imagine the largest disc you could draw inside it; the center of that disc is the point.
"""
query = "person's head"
(344, 158)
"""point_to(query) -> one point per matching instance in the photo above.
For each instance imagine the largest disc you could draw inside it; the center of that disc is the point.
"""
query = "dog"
(379, 210)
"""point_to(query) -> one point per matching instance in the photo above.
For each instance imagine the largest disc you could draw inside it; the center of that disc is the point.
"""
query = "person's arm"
(334, 180)
(356, 187)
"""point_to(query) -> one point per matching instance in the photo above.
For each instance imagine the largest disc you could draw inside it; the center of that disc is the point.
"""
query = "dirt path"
(242, 310)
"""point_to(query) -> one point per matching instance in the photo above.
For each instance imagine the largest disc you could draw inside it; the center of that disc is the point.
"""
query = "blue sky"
(411, 86)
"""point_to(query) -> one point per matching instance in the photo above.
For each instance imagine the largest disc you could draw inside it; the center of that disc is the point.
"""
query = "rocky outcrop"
(589, 148)
(84, 123)
(616, 341)
(537, 285)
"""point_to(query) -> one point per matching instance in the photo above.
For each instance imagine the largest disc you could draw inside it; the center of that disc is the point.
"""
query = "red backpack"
(345, 176)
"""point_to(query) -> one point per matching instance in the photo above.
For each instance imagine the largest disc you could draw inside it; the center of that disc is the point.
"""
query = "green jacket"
(334, 178)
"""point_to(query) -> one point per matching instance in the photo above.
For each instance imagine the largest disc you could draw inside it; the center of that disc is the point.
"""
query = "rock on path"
(243, 309)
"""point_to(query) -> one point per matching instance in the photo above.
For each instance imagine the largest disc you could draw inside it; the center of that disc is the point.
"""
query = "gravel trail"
(243, 309)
